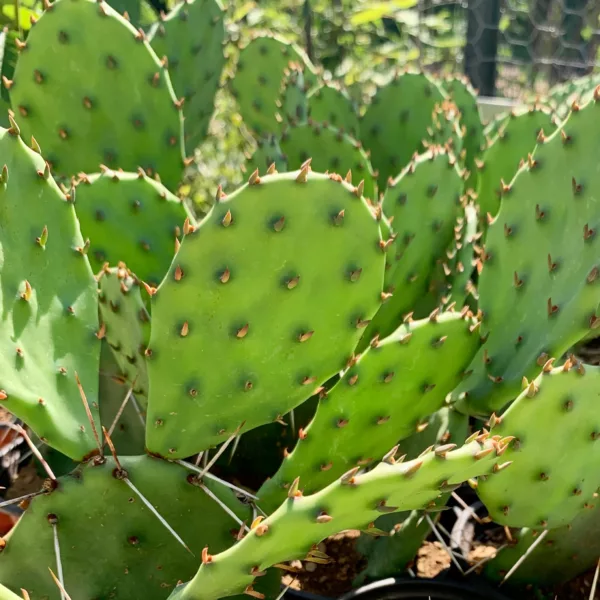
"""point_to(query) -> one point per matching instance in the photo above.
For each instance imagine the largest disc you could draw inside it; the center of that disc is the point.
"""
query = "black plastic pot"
(413, 589)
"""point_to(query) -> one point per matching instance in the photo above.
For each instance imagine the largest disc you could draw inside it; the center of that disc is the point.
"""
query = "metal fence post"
(482, 44)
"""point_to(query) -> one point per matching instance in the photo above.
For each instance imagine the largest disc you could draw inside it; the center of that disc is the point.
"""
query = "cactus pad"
(192, 37)
(48, 303)
(516, 139)
(461, 92)
(131, 218)
(396, 122)
(563, 554)
(389, 555)
(267, 153)
(550, 482)
(105, 530)
(330, 150)
(349, 503)
(383, 398)
(129, 431)
(126, 326)
(293, 107)
(423, 204)
(273, 289)
(541, 263)
(120, 110)
(257, 82)
(331, 105)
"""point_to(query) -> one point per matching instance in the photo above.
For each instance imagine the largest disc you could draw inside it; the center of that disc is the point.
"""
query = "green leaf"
(374, 11)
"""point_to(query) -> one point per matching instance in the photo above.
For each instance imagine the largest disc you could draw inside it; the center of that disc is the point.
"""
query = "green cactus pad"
(549, 482)
(516, 139)
(389, 555)
(129, 431)
(461, 92)
(563, 554)
(383, 398)
(256, 86)
(119, 110)
(292, 104)
(266, 154)
(332, 105)
(446, 131)
(330, 150)
(106, 531)
(423, 204)
(48, 303)
(263, 303)
(131, 218)
(140, 12)
(126, 326)
(395, 124)
(192, 37)
(349, 503)
(540, 264)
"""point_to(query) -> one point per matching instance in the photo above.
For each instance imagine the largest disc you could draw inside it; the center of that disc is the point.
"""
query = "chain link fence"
(511, 47)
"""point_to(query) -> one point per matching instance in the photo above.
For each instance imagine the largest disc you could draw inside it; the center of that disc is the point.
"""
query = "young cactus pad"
(395, 124)
(539, 285)
(131, 218)
(383, 398)
(330, 150)
(48, 304)
(125, 325)
(516, 139)
(352, 502)
(264, 301)
(192, 37)
(107, 532)
(120, 110)
(422, 204)
(556, 452)
(331, 105)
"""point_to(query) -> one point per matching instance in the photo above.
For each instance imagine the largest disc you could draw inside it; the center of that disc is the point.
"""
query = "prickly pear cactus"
(138, 12)
(389, 555)
(120, 410)
(422, 204)
(395, 123)
(48, 303)
(274, 288)
(329, 150)
(563, 554)
(383, 398)
(267, 153)
(191, 36)
(515, 140)
(125, 325)
(120, 110)
(332, 105)
(446, 131)
(258, 78)
(558, 481)
(105, 529)
(292, 104)
(132, 218)
(538, 288)
(351, 502)
(461, 92)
